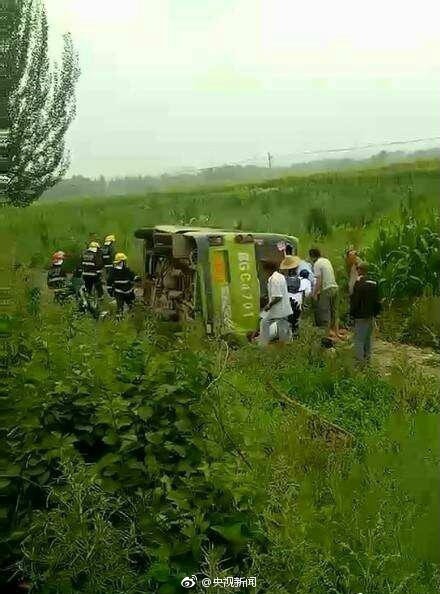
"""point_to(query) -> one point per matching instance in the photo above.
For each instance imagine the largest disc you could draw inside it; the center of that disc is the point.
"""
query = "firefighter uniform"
(120, 283)
(108, 253)
(92, 269)
(56, 277)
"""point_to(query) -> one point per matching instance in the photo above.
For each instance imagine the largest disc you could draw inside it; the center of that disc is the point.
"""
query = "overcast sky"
(172, 83)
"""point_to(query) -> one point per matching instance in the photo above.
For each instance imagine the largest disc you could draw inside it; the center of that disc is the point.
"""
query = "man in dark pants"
(365, 305)
(120, 283)
(91, 267)
(108, 253)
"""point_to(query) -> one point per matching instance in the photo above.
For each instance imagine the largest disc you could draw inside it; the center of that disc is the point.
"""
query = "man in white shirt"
(325, 293)
(278, 308)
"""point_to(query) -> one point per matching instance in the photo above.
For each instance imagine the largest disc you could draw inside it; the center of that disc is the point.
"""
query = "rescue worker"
(91, 266)
(120, 283)
(57, 276)
(108, 253)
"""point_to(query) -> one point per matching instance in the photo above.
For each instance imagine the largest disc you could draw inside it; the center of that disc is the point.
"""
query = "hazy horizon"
(185, 83)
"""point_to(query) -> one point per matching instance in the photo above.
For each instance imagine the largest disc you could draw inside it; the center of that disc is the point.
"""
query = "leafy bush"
(84, 542)
(133, 409)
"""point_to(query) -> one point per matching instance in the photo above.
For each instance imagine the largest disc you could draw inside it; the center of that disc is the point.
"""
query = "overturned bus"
(217, 275)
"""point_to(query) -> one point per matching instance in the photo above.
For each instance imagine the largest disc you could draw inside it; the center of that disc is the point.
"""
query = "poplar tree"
(41, 103)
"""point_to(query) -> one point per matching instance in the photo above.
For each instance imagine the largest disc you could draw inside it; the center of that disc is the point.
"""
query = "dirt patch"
(386, 354)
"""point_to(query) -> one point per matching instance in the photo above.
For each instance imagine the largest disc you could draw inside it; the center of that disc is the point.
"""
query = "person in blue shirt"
(303, 265)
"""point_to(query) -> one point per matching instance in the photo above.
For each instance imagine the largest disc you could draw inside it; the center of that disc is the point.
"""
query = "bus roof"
(200, 231)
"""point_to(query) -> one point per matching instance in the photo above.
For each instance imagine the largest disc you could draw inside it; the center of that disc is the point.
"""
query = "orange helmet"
(58, 256)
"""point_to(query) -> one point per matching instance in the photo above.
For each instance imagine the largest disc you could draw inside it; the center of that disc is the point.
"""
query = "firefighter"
(56, 275)
(91, 266)
(58, 281)
(120, 283)
(108, 253)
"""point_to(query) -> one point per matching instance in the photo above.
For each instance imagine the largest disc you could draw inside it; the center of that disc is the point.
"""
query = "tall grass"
(351, 202)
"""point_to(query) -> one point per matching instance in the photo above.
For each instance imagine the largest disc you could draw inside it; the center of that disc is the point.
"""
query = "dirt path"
(386, 354)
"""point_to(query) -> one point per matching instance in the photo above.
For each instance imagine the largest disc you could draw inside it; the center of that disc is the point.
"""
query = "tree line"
(81, 186)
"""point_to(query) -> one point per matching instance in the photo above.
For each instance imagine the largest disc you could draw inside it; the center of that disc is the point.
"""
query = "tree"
(5, 25)
(41, 104)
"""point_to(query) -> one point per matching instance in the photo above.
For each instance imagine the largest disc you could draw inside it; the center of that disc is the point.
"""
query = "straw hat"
(290, 262)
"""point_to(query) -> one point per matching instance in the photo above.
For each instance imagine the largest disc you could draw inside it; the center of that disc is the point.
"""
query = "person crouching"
(278, 308)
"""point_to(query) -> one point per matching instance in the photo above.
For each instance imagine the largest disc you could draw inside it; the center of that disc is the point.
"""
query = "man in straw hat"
(298, 287)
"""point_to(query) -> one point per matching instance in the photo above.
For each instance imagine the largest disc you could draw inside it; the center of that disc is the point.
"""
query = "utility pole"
(269, 159)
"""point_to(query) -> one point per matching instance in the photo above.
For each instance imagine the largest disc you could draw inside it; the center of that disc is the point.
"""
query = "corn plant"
(406, 257)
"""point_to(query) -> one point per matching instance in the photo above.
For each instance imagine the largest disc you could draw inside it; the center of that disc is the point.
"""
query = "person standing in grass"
(278, 309)
(303, 265)
(352, 260)
(91, 267)
(325, 293)
(298, 287)
(120, 283)
(365, 305)
(108, 253)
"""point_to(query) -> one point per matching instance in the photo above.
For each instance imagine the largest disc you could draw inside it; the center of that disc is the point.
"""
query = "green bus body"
(235, 287)
(229, 278)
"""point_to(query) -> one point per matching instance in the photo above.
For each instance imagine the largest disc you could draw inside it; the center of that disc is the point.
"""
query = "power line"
(373, 145)
(269, 157)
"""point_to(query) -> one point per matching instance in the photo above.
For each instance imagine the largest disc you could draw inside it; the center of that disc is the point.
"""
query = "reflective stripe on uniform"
(131, 291)
(90, 274)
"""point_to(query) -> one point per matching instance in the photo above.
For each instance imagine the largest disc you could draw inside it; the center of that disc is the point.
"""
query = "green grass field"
(353, 204)
(133, 454)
